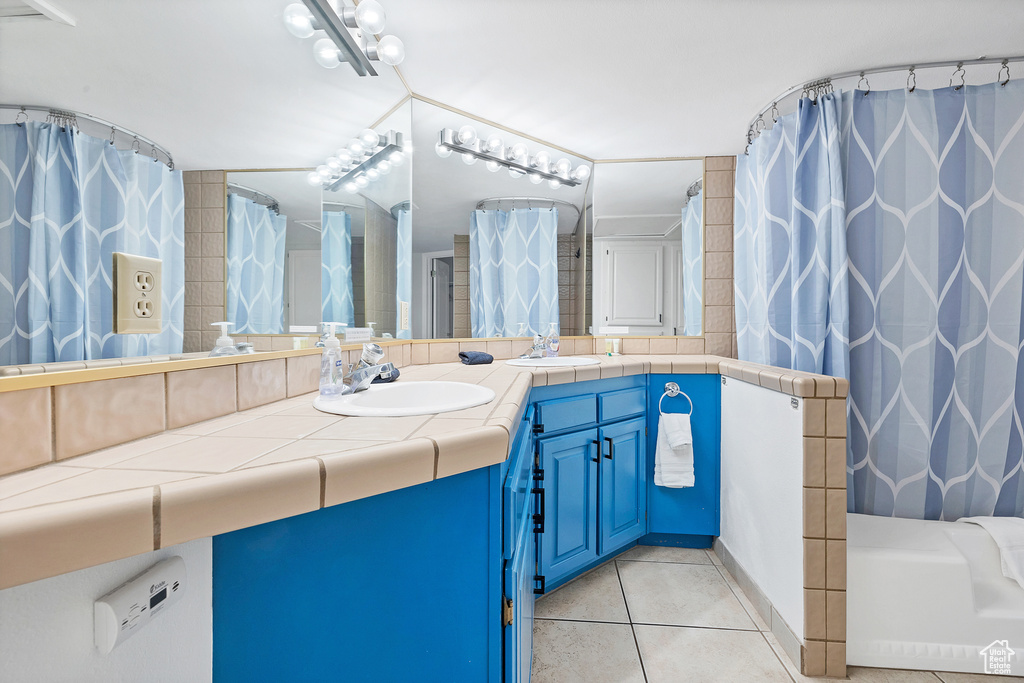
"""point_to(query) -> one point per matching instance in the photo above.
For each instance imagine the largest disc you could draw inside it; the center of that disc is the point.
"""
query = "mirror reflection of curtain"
(67, 202)
(404, 273)
(256, 240)
(693, 251)
(513, 271)
(336, 267)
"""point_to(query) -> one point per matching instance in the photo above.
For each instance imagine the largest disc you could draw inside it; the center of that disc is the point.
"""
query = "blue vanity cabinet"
(623, 483)
(520, 555)
(567, 502)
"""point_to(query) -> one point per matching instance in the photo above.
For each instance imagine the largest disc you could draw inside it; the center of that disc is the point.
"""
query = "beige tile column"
(204, 257)
(719, 314)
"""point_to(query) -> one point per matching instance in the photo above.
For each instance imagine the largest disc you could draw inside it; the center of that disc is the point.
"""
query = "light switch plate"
(138, 289)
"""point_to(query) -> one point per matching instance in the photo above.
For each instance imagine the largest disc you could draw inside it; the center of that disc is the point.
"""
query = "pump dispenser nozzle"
(225, 345)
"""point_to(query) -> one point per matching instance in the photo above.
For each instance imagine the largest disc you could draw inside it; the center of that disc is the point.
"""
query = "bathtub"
(928, 595)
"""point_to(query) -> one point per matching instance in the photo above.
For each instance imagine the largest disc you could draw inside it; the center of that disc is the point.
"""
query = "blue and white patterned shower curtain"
(256, 240)
(336, 268)
(404, 272)
(935, 206)
(67, 202)
(790, 244)
(513, 271)
(693, 274)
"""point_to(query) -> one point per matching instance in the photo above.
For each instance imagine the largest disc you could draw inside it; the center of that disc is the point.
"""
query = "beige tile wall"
(204, 257)
(460, 291)
(719, 315)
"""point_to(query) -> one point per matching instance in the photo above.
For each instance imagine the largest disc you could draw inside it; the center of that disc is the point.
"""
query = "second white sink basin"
(407, 398)
(556, 362)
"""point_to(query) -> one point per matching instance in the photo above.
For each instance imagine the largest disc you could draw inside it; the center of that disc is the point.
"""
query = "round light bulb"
(493, 166)
(351, 187)
(313, 178)
(493, 143)
(372, 173)
(541, 160)
(370, 16)
(298, 20)
(344, 156)
(357, 149)
(581, 173)
(467, 135)
(442, 151)
(518, 152)
(326, 53)
(333, 163)
(536, 178)
(391, 50)
(384, 167)
(468, 159)
(514, 173)
(397, 158)
(323, 170)
(361, 181)
(554, 184)
(369, 138)
(562, 167)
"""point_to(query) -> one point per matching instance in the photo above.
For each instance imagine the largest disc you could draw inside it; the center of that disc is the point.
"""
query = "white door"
(304, 303)
(634, 285)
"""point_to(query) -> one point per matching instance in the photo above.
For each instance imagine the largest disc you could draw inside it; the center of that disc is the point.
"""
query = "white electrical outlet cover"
(122, 613)
(138, 289)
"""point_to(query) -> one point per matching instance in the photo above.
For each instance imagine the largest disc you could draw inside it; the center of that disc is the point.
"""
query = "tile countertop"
(284, 459)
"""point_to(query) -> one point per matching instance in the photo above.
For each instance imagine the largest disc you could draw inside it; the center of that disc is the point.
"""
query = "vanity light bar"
(350, 33)
(390, 149)
(329, 22)
(450, 140)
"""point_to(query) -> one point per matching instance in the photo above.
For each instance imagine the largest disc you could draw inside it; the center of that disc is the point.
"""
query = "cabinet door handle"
(596, 458)
(611, 447)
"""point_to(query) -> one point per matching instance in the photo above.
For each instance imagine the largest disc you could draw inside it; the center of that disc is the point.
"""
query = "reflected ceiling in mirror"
(450, 197)
(648, 247)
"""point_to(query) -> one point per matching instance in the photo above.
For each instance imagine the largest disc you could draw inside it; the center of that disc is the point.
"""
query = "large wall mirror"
(299, 253)
(648, 247)
(495, 252)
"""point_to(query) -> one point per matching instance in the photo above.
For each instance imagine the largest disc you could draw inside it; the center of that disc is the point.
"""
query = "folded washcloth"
(677, 427)
(475, 357)
(672, 467)
(1008, 533)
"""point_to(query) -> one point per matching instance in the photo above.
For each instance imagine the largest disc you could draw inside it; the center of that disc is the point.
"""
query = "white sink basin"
(556, 362)
(407, 398)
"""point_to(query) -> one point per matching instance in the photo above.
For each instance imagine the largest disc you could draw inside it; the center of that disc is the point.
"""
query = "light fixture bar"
(330, 23)
(447, 139)
(393, 143)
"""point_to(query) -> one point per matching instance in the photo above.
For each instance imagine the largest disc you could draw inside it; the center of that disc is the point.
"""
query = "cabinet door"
(569, 539)
(634, 286)
(623, 484)
(519, 634)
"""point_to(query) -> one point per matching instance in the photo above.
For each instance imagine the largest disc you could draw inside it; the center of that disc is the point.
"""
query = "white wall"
(46, 627)
(762, 493)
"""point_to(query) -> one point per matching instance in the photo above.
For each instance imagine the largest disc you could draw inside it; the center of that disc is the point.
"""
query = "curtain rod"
(878, 70)
(155, 148)
(256, 195)
(480, 204)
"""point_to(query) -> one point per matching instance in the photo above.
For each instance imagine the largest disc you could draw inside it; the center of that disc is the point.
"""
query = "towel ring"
(672, 390)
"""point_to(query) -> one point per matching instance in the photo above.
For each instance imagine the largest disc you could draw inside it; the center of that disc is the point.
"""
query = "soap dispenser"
(553, 341)
(225, 345)
(332, 365)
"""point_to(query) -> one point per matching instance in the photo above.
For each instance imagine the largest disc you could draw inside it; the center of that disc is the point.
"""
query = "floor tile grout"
(632, 629)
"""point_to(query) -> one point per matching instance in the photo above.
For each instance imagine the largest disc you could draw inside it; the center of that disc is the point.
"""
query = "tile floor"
(669, 615)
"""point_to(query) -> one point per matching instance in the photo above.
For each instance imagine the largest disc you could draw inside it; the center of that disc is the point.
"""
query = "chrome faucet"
(360, 378)
(540, 345)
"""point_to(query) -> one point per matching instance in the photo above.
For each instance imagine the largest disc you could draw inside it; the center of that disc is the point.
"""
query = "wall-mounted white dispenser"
(122, 613)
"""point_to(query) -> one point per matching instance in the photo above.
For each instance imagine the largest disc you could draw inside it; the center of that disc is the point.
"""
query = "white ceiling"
(642, 197)
(222, 84)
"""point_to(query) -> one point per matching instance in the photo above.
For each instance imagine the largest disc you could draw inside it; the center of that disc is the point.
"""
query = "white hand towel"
(1008, 533)
(677, 426)
(673, 468)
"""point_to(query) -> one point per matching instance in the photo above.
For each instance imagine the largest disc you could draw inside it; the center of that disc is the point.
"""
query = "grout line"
(156, 518)
(732, 590)
(323, 481)
(781, 663)
(632, 629)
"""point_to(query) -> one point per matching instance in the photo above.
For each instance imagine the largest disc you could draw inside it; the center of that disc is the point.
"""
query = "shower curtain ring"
(135, 144)
(25, 114)
(760, 119)
(959, 70)
(867, 86)
(1006, 67)
(775, 112)
(912, 75)
(112, 132)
